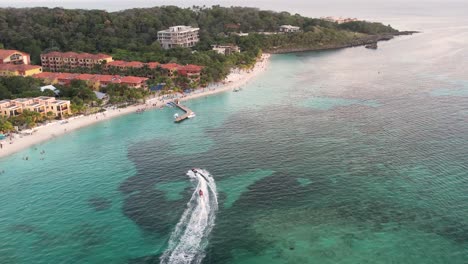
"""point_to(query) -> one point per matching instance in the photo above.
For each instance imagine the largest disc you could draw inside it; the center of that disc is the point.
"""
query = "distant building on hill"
(14, 57)
(240, 34)
(226, 49)
(339, 20)
(178, 36)
(57, 61)
(289, 29)
(19, 69)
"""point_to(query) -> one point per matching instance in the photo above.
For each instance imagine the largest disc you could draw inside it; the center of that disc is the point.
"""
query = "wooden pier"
(187, 111)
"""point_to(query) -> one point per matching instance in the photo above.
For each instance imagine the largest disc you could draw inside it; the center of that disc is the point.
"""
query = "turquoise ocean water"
(346, 156)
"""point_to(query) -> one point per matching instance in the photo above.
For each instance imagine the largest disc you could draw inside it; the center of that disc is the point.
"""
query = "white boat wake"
(190, 236)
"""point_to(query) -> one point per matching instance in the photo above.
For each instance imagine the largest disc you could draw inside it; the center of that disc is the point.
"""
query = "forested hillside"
(36, 29)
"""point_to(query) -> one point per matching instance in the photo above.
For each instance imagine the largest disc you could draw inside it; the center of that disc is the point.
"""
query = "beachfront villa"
(178, 36)
(19, 69)
(56, 61)
(14, 57)
(41, 104)
(289, 29)
(226, 49)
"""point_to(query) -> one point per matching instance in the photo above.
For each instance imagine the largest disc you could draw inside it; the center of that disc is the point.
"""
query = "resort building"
(124, 65)
(289, 29)
(14, 57)
(153, 65)
(42, 105)
(193, 72)
(19, 69)
(56, 61)
(178, 36)
(226, 49)
(93, 80)
(170, 68)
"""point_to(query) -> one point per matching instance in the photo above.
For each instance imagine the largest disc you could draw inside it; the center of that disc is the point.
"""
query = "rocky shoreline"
(371, 39)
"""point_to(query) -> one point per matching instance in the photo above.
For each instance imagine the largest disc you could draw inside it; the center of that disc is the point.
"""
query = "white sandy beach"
(42, 133)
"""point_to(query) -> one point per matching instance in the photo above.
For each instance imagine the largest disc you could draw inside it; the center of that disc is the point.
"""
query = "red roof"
(85, 77)
(153, 65)
(170, 66)
(129, 64)
(108, 78)
(190, 68)
(45, 75)
(104, 78)
(66, 76)
(7, 53)
(18, 67)
(133, 79)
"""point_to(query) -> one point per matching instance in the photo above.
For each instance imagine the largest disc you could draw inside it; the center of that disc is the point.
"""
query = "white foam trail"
(190, 236)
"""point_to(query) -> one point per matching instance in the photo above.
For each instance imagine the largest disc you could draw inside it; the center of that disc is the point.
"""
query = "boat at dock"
(188, 113)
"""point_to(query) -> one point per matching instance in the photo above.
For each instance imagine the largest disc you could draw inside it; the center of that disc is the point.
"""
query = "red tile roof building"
(14, 57)
(125, 64)
(101, 80)
(171, 68)
(56, 61)
(153, 65)
(19, 69)
(190, 71)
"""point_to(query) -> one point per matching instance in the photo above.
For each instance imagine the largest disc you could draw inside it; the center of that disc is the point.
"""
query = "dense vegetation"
(18, 87)
(132, 34)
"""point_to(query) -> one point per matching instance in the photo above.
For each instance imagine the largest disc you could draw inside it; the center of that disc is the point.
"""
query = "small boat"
(176, 116)
(236, 90)
(191, 115)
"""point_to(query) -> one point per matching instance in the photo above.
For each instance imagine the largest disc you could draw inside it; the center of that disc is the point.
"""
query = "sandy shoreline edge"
(59, 128)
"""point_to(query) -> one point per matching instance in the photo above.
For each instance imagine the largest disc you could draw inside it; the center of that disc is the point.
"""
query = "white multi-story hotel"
(289, 28)
(178, 36)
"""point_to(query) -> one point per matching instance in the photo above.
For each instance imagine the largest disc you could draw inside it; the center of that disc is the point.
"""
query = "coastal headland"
(362, 41)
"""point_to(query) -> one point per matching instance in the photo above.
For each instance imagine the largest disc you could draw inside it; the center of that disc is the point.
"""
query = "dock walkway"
(187, 111)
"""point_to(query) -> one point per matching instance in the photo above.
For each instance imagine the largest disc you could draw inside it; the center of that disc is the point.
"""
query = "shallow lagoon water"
(347, 156)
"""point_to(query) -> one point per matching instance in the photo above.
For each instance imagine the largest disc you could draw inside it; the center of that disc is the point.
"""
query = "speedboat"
(196, 171)
(176, 116)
